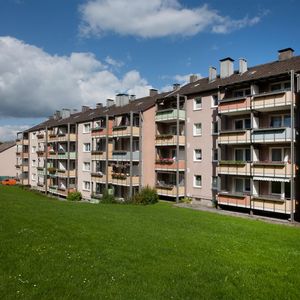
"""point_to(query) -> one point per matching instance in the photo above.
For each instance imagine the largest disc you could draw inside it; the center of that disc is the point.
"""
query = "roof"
(6, 145)
(253, 74)
(134, 106)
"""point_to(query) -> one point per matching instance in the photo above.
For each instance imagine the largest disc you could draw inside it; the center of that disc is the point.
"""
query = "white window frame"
(284, 157)
(84, 188)
(194, 183)
(195, 104)
(213, 105)
(33, 149)
(282, 83)
(195, 159)
(194, 129)
(84, 164)
(84, 147)
(85, 125)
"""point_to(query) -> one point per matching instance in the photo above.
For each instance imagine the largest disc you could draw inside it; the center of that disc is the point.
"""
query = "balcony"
(169, 115)
(271, 169)
(25, 155)
(125, 155)
(271, 135)
(98, 155)
(241, 136)
(101, 131)
(234, 199)
(59, 155)
(123, 179)
(40, 136)
(124, 130)
(169, 190)
(40, 153)
(169, 164)
(272, 101)
(62, 173)
(25, 142)
(271, 203)
(234, 167)
(62, 137)
(169, 140)
(234, 105)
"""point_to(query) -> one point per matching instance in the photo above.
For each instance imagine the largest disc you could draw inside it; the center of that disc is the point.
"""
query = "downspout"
(292, 144)
(46, 160)
(177, 150)
(131, 149)
(106, 156)
(141, 150)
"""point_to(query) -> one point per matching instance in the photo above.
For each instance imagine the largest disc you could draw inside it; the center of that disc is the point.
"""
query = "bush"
(108, 198)
(74, 196)
(186, 200)
(146, 196)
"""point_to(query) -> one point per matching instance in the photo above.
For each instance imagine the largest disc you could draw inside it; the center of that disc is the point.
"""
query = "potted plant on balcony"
(52, 170)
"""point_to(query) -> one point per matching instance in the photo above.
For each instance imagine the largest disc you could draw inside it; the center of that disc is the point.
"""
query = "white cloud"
(155, 18)
(9, 132)
(183, 79)
(34, 83)
(113, 62)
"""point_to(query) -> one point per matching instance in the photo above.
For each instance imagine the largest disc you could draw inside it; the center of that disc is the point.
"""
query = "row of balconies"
(259, 102)
(256, 135)
(257, 168)
(116, 131)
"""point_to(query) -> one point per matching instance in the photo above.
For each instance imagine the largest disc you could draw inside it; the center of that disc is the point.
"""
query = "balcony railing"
(232, 105)
(169, 164)
(271, 169)
(271, 135)
(124, 179)
(241, 136)
(271, 203)
(125, 155)
(234, 167)
(234, 199)
(169, 140)
(169, 190)
(167, 115)
(265, 101)
(124, 130)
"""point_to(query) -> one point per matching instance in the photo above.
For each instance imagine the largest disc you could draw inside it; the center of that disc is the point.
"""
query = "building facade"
(228, 139)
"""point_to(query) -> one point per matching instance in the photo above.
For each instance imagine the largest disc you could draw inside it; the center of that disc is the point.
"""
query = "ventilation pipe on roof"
(286, 53)
(99, 105)
(242, 65)
(110, 102)
(122, 99)
(65, 113)
(226, 67)
(85, 108)
(212, 74)
(132, 97)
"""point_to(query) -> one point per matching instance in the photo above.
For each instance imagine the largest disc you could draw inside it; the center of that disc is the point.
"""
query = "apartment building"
(228, 139)
(7, 159)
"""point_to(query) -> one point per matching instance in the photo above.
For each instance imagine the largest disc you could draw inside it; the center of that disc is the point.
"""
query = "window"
(280, 86)
(215, 154)
(242, 93)
(242, 124)
(86, 147)
(197, 155)
(86, 128)
(280, 121)
(214, 127)
(197, 129)
(276, 121)
(86, 166)
(33, 163)
(197, 103)
(197, 181)
(242, 185)
(86, 185)
(214, 100)
(243, 154)
(276, 187)
(276, 87)
(276, 154)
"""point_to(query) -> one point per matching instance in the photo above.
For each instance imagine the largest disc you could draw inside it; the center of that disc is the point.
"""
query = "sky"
(58, 54)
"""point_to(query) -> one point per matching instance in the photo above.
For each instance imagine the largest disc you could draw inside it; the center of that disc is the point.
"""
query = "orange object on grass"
(9, 181)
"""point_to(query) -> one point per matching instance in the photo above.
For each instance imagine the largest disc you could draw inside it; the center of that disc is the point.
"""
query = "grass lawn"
(52, 249)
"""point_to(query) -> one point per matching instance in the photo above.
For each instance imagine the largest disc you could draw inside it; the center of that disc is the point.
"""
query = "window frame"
(195, 104)
(195, 158)
(194, 129)
(194, 181)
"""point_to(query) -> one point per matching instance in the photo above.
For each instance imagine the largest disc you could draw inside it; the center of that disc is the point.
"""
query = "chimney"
(153, 92)
(176, 86)
(212, 74)
(57, 115)
(193, 78)
(122, 99)
(242, 65)
(65, 113)
(131, 98)
(99, 105)
(226, 67)
(109, 102)
(286, 53)
(85, 108)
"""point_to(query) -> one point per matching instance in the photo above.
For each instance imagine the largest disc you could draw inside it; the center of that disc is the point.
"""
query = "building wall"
(148, 147)
(84, 157)
(206, 142)
(33, 159)
(8, 162)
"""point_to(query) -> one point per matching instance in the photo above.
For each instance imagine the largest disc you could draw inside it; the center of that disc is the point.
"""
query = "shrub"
(74, 196)
(108, 198)
(146, 196)
(186, 200)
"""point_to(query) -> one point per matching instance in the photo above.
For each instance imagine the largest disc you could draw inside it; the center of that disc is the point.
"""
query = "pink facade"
(8, 162)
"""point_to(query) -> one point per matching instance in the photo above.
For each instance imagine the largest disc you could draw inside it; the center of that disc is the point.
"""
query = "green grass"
(52, 249)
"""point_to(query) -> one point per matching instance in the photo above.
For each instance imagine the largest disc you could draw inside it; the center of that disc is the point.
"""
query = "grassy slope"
(58, 250)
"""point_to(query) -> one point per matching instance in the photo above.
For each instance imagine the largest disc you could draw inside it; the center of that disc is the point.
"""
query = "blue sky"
(58, 53)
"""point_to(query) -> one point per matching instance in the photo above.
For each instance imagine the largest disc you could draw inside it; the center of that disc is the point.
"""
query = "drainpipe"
(185, 147)
(46, 160)
(106, 146)
(131, 148)
(177, 150)
(68, 162)
(140, 149)
(292, 144)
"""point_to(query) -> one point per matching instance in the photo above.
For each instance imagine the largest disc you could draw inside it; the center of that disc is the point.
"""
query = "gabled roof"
(258, 72)
(6, 145)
